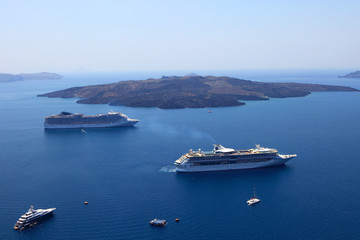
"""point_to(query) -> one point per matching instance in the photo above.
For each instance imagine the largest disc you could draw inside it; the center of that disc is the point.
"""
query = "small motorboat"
(158, 222)
(253, 200)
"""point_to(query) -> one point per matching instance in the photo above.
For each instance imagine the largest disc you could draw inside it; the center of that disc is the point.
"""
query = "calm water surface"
(127, 177)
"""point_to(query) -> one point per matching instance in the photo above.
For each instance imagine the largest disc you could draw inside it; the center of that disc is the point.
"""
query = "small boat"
(158, 222)
(253, 200)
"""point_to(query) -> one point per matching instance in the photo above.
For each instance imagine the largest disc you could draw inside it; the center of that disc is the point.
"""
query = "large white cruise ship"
(222, 158)
(79, 120)
(31, 215)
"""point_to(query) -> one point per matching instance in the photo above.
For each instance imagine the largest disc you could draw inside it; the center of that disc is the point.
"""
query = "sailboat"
(253, 200)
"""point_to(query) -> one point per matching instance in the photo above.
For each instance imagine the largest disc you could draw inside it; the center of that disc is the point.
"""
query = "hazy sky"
(108, 35)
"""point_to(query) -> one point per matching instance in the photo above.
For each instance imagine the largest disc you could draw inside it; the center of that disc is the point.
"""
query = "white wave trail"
(181, 131)
(168, 169)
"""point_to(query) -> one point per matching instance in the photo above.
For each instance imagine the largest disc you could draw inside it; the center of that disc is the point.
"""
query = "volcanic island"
(194, 91)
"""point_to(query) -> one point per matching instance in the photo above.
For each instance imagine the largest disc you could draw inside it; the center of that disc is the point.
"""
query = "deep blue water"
(127, 177)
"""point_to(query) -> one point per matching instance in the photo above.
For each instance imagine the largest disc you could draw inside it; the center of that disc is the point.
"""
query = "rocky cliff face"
(188, 92)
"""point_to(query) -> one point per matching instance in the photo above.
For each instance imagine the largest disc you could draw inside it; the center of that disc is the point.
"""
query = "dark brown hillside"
(188, 92)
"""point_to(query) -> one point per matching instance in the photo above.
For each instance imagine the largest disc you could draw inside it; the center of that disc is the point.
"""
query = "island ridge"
(351, 75)
(172, 92)
(7, 77)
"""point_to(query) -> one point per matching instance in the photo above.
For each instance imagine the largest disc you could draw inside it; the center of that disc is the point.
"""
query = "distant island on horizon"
(7, 77)
(351, 75)
(191, 91)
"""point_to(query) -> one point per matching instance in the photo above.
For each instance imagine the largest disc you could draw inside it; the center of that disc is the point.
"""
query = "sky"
(155, 35)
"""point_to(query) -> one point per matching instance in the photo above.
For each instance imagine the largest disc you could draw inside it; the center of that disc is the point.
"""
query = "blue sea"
(128, 178)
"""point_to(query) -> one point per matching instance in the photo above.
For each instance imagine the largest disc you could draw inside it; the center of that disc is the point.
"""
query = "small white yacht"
(253, 200)
(31, 215)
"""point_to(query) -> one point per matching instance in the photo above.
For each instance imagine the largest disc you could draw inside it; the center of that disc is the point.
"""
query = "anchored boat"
(158, 222)
(79, 120)
(31, 215)
(221, 158)
(253, 200)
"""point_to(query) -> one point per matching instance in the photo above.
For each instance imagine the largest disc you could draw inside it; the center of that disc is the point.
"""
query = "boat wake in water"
(168, 169)
(174, 131)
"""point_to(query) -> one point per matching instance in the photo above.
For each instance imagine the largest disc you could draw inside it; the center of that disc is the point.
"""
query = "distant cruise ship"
(31, 215)
(222, 158)
(78, 120)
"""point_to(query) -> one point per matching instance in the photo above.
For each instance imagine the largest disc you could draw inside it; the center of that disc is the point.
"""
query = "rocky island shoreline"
(173, 92)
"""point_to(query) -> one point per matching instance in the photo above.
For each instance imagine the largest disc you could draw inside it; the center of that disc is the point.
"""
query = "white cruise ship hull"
(281, 159)
(128, 123)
